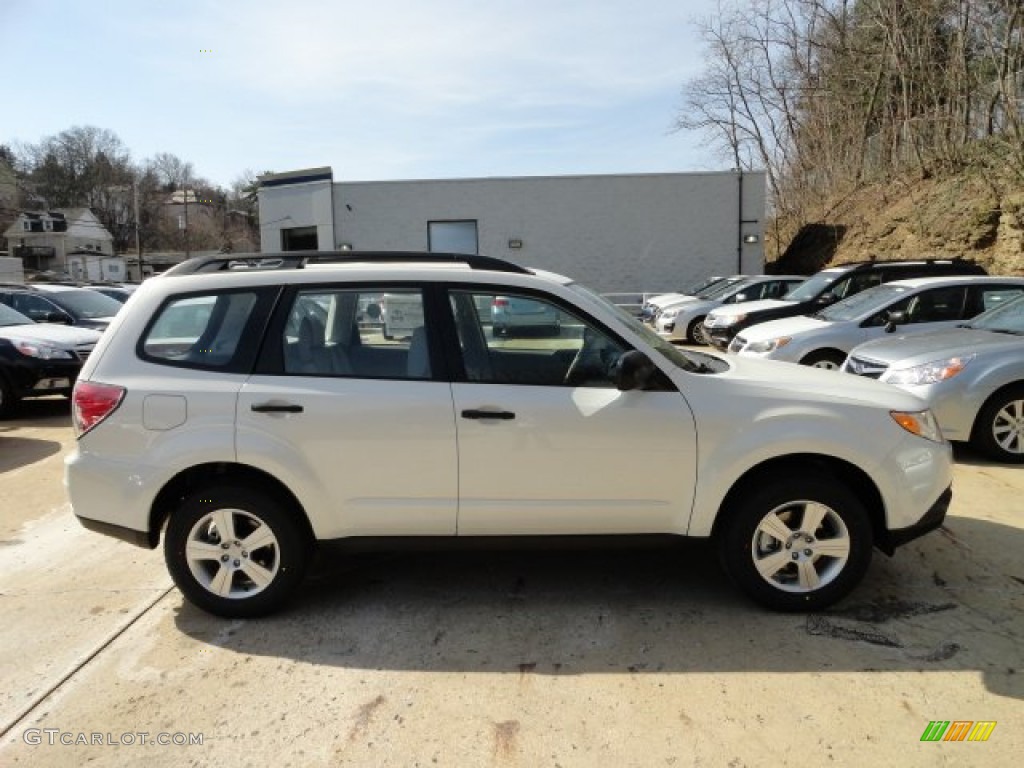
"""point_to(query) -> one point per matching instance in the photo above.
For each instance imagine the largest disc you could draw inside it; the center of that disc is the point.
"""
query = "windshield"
(692, 362)
(10, 316)
(814, 286)
(701, 285)
(864, 303)
(718, 291)
(1006, 318)
(84, 303)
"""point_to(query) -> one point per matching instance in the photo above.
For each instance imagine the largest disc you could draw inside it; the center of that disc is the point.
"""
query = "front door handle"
(475, 413)
(276, 408)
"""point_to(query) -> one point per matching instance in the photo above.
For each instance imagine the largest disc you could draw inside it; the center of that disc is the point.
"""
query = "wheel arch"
(1010, 386)
(830, 352)
(850, 475)
(188, 480)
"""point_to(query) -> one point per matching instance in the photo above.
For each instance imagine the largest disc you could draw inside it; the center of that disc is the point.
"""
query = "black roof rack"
(300, 259)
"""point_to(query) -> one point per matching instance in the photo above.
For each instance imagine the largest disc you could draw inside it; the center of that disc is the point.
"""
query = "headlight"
(724, 321)
(668, 314)
(920, 423)
(929, 373)
(764, 347)
(42, 351)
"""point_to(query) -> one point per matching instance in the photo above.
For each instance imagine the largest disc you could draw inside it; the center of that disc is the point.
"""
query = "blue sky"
(392, 89)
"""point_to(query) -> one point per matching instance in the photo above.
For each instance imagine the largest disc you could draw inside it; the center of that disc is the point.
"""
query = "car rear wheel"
(796, 545)
(828, 359)
(235, 552)
(999, 428)
(695, 332)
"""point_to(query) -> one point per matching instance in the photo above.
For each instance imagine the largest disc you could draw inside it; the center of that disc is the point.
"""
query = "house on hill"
(69, 242)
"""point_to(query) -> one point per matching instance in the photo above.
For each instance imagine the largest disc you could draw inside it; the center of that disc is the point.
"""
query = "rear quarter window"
(216, 330)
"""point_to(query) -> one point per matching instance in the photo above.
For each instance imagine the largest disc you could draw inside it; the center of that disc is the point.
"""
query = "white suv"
(245, 408)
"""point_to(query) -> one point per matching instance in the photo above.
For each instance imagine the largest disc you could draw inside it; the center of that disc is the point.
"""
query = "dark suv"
(827, 287)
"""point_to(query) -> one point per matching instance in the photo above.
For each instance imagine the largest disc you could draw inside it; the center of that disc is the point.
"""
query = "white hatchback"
(243, 410)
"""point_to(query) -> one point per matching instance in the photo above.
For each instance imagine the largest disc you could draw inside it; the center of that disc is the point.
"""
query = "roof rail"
(300, 259)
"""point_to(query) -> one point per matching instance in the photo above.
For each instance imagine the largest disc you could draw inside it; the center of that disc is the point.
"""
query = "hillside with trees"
(86, 166)
(888, 128)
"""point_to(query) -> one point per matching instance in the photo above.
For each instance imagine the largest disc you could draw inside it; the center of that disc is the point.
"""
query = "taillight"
(91, 403)
(499, 302)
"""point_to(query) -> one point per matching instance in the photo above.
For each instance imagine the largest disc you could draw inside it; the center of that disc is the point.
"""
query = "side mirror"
(826, 299)
(57, 317)
(632, 370)
(894, 319)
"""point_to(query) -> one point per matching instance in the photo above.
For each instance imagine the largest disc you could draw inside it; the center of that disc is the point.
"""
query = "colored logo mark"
(958, 730)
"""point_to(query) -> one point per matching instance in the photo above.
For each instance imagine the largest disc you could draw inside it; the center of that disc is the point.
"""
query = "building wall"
(648, 232)
(306, 204)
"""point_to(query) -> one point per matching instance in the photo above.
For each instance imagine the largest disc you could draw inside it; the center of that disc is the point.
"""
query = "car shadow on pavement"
(949, 602)
(52, 411)
(18, 452)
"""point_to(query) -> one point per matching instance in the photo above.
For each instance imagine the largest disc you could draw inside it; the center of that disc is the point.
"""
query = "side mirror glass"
(894, 319)
(633, 370)
(56, 317)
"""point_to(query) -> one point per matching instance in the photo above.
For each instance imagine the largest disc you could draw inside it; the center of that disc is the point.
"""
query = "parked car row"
(47, 331)
(940, 329)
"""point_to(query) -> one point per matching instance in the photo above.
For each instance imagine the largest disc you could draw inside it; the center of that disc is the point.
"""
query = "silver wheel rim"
(232, 553)
(1008, 427)
(800, 546)
(828, 365)
(700, 335)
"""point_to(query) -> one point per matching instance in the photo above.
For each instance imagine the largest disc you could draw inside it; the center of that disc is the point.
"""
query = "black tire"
(998, 430)
(844, 529)
(829, 359)
(252, 512)
(695, 333)
(8, 400)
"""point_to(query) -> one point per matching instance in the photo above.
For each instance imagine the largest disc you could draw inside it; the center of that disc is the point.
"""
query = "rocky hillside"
(977, 214)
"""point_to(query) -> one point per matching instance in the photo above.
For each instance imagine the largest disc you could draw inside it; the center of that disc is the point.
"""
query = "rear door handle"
(474, 413)
(276, 408)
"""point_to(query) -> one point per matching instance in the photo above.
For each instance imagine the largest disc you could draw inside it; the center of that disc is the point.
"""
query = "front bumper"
(931, 520)
(720, 337)
(32, 377)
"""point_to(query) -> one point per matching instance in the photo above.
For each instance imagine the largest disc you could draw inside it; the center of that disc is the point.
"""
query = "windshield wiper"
(1007, 331)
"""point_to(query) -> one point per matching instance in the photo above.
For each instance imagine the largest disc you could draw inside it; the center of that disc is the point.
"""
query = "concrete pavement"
(504, 658)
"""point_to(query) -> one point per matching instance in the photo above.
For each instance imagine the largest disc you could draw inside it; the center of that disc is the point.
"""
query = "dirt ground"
(529, 658)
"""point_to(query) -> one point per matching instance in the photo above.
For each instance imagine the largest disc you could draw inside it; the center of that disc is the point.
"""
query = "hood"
(786, 381)
(751, 306)
(669, 299)
(63, 336)
(915, 349)
(694, 307)
(787, 326)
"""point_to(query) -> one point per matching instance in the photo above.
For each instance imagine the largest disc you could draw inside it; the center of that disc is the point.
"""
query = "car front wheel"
(999, 428)
(695, 332)
(235, 552)
(796, 545)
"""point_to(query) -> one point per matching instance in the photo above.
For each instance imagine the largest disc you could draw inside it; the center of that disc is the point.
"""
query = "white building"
(643, 232)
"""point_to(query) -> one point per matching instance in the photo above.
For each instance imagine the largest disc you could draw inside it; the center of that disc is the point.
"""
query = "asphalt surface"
(509, 658)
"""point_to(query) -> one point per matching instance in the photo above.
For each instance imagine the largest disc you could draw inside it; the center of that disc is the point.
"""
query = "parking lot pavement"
(555, 658)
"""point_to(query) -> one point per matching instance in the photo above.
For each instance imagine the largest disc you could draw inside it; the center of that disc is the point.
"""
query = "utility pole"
(185, 193)
(138, 239)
